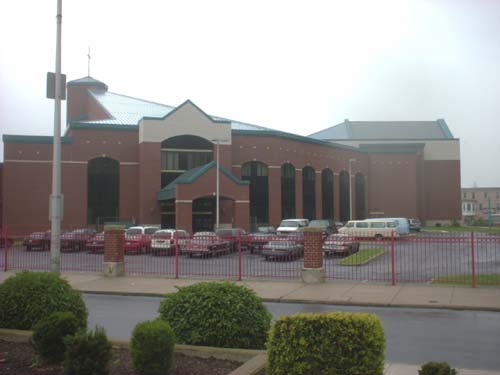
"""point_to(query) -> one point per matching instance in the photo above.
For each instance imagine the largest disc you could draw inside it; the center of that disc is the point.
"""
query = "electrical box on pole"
(51, 86)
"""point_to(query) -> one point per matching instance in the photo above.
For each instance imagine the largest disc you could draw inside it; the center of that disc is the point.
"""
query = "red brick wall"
(81, 106)
(442, 200)
(149, 182)
(113, 245)
(1, 195)
(313, 254)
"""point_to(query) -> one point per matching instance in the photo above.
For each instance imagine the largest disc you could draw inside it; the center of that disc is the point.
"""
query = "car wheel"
(378, 237)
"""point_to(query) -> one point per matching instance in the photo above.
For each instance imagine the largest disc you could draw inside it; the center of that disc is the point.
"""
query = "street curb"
(322, 302)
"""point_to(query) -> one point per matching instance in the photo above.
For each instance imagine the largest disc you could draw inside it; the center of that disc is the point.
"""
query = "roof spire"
(88, 63)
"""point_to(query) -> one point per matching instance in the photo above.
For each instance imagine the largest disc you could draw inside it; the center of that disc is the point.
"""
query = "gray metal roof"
(126, 110)
(361, 130)
(87, 81)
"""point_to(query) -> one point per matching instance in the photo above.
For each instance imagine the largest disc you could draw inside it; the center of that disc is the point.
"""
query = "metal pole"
(55, 198)
(217, 192)
(473, 260)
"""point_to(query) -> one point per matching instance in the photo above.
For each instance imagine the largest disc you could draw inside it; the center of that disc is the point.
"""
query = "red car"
(342, 244)
(206, 244)
(95, 245)
(76, 239)
(38, 241)
(138, 240)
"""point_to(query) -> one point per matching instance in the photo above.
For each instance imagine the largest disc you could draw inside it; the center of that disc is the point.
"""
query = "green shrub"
(437, 368)
(152, 347)
(29, 297)
(217, 314)
(49, 333)
(335, 343)
(87, 353)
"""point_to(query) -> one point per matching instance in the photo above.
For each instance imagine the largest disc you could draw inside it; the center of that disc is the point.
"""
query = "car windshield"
(162, 234)
(204, 235)
(280, 244)
(289, 224)
(134, 231)
(319, 223)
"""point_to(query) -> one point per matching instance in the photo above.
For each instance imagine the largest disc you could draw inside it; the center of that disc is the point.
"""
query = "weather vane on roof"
(88, 63)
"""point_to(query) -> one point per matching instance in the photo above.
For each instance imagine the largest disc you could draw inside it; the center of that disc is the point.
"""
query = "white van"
(292, 225)
(403, 224)
(375, 228)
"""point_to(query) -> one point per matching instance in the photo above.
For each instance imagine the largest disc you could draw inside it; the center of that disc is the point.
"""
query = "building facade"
(481, 204)
(131, 160)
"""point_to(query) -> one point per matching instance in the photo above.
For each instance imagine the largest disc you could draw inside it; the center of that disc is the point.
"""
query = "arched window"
(256, 173)
(309, 193)
(327, 193)
(345, 207)
(287, 191)
(360, 197)
(103, 190)
(182, 153)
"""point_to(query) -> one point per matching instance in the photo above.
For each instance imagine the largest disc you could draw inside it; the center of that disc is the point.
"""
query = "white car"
(163, 241)
(292, 225)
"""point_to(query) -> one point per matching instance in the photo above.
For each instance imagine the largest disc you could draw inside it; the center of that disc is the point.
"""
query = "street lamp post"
(350, 187)
(56, 197)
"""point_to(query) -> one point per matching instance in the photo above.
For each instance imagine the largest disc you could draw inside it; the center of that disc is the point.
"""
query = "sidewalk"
(338, 292)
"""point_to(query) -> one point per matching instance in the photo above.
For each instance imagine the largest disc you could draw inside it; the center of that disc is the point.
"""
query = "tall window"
(327, 193)
(309, 193)
(360, 197)
(182, 153)
(344, 196)
(287, 191)
(256, 173)
(103, 185)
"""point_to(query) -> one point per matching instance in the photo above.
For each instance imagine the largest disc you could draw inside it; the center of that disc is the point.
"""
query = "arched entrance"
(327, 193)
(345, 206)
(103, 190)
(360, 197)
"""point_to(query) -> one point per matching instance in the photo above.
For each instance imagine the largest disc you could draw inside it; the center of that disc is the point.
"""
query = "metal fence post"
(239, 258)
(176, 240)
(393, 259)
(473, 260)
(6, 249)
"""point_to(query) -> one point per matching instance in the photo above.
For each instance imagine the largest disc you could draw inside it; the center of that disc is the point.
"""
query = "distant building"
(128, 159)
(481, 204)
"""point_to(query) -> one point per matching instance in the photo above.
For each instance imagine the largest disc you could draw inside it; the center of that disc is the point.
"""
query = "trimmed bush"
(152, 347)
(29, 297)
(87, 353)
(217, 314)
(436, 368)
(49, 333)
(335, 343)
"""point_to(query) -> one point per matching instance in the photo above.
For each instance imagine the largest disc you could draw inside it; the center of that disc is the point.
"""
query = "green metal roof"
(43, 139)
(168, 192)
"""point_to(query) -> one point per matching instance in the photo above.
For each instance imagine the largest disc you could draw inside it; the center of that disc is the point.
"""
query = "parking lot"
(418, 259)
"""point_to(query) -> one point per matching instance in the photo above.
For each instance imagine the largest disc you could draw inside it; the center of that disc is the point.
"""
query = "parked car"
(37, 241)
(327, 226)
(283, 249)
(10, 241)
(76, 239)
(292, 225)
(138, 239)
(95, 244)
(233, 236)
(266, 229)
(402, 224)
(206, 244)
(415, 225)
(371, 228)
(163, 241)
(340, 244)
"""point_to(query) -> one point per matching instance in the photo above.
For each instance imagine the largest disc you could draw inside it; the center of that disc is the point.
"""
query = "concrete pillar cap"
(110, 227)
(313, 229)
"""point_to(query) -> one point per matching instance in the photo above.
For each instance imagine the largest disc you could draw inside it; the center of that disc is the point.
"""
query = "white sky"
(297, 66)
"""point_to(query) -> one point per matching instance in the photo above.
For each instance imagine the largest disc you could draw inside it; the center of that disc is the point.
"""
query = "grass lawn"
(488, 279)
(464, 229)
(362, 257)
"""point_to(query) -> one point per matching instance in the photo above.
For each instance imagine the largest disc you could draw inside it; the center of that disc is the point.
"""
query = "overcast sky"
(297, 66)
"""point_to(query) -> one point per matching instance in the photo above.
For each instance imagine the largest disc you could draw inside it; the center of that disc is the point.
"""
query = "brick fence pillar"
(313, 271)
(114, 260)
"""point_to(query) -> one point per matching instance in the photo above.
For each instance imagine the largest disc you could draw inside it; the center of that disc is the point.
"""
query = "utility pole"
(56, 197)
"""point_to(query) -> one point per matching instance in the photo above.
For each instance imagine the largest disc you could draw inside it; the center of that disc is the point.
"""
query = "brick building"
(127, 159)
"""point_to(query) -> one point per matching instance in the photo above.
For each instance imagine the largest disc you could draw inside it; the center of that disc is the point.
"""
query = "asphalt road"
(466, 339)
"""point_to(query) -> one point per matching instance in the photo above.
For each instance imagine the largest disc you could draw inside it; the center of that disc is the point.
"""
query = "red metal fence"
(428, 257)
